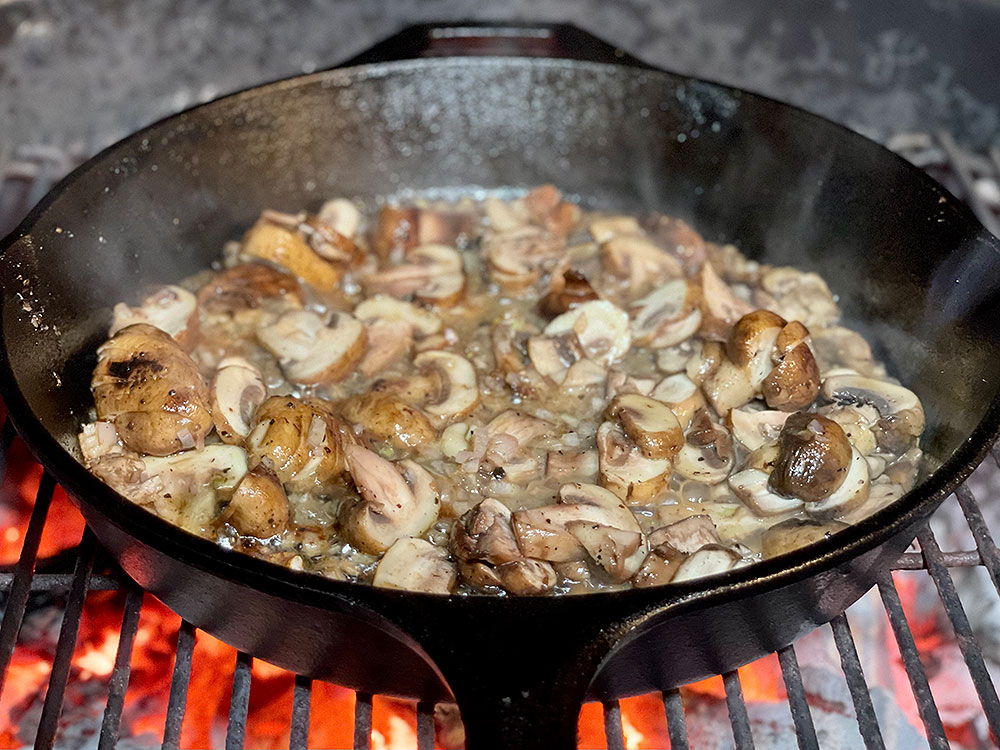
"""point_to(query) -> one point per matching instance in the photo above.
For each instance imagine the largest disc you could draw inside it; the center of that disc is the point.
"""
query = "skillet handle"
(486, 39)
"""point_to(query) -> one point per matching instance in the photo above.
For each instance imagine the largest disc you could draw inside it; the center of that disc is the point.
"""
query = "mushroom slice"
(707, 456)
(709, 560)
(389, 309)
(617, 514)
(800, 296)
(172, 309)
(152, 391)
(311, 351)
(666, 316)
(901, 411)
(755, 429)
(564, 464)
(607, 227)
(679, 239)
(566, 291)
(552, 356)
(649, 423)
(524, 428)
(284, 247)
(341, 215)
(601, 327)
(814, 460)
(752, 341)
(518, 257)
(852, 492)
(837, 346)
(386, 343)
(388, 418)
(750, 486)
(794, 381)
(618, 552)
(584, 373)
(237, 390)
(416, 565)
(301, 439)
(639, 260)
(259, 506)
(722, 308)
(397, 500)
(858, 423)
(727, 387)
(682, 396)
(248, 286)
(394, 231)
(795, 533)
(458, 392)
(446, 283)
(624, 470)
(659, 567)
(687, 535)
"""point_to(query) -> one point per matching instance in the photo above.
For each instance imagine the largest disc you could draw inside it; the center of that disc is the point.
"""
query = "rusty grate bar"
(118, 685)
(805, 732)
(179, 681)
(737, 711)
(298, 737)
(850, 662)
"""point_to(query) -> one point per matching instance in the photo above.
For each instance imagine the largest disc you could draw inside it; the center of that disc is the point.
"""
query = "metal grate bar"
(914, 668)
(48, 724)
(805, 732)
(17, 599)
(111, 724)
(614, 733)
(737, 711)
(963, 630)
(673, 707)
(425, 726)
(298, 737)
(864, 711)
(363, 721)
(239, 704)
(981, 533)
(177, 702)
(62, 582)
(915, 561)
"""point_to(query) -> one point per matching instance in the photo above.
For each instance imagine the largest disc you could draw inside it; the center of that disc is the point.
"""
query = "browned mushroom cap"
(151, 389)
(397, 500)
(301, 439)
(566, 291)
(259, 506)
(659, 567)
(284, 247)
(386, 417)
(518, 257)
(794, 381)
(172, 309)
(650, 423)
(311, 351)
(624, 470)
(795, 533)
(545, 207)
(752, 341)
(416, 565)
(394, 229)
(814, 460)
(248, 286)
(237, 390)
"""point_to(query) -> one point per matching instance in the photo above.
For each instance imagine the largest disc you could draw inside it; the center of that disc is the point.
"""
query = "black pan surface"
(913, 270)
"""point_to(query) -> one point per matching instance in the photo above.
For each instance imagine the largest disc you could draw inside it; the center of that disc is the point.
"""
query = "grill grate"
(26, 176)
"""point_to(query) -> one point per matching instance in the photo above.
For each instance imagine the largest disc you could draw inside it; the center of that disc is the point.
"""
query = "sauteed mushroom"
(284, 247)
(259, 506)
(901, 411)
(311, 351)
(386, 417)
(601, 328)
(172, 309)
(237, 390)
(416, 565)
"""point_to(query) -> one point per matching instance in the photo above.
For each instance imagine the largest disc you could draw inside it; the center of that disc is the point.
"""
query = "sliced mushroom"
(416, 565)
(172, 309)
(584, 373)
(659, 567)
(518, 257)
(552, 356)
(794, 381)
(458, 392)
(259, 506)
(326, 241)
(640, 261)
(152, 391)
(752, 341)
(389, 309)
(618, 552)
(799, 296)
(679, 239)
(301, 439)
(666, 316)
(566, 291)
(311, 351)
(387, 342)
(624, 470)
(248, 286)
(852, 492)
(386, 417)
(682, 396)
(433, 274)
(545, 206)
(566, 464)
(607, 227)
(649, 423)
(841, 347)
(722, 308)
(751, 486)
(397, 500)
(795, 533)
(237, 390)
(727, 386)
(815, 458)
(394, 231)
(341, 215)
(902, 413)
(709, 560)
(284, 247)
(859, 424)
(687, 535)
(601, 327)
(755, 429)
(707, 455)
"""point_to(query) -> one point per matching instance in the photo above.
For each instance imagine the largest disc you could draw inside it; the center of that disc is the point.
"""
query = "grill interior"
(29, 173)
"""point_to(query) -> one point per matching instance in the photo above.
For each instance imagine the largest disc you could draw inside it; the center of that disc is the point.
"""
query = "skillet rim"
(819, 557)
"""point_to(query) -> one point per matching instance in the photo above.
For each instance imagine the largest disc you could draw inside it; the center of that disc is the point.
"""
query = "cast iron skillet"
(912, 267)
